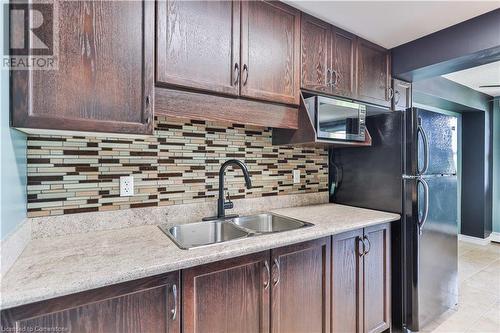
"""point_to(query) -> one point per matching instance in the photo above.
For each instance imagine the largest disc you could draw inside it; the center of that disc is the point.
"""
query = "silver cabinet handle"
(329, 77)
(391, 94)
(236, 73)
(336, 81)
(174, 310)
(147, 103)
(268, 272)
(425, 214)
(361, 246)
(421, 131)
(277, 265)
(369, 244)
(245, 72)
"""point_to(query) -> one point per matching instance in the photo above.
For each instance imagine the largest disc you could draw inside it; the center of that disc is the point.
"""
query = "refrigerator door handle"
(421, 130)
(422, 221)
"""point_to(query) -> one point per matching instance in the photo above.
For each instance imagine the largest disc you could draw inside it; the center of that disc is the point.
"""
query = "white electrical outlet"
(126, 186)
(296, 176)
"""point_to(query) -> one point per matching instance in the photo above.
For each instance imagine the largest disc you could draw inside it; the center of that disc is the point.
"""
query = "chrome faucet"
(222, 205)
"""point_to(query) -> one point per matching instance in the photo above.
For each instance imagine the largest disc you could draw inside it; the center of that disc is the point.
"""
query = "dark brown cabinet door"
(373, 73)
(377, 305)
(151, 305)
(198, 45)
(104, 77)
(227, 296)
(270, 51)
(315, 54)
(300, 295)
(347, 282)
(343, 63)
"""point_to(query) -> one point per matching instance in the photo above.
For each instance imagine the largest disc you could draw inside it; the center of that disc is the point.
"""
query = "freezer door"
(437, 143)
(436, 236)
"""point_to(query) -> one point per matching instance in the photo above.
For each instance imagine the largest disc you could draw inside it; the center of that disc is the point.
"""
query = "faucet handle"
(228, 204)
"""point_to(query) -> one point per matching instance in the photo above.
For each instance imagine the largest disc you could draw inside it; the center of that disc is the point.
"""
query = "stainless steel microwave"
(337, 119)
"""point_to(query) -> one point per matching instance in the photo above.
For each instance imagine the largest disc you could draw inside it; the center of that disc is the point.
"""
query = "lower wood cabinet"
(300, 293)
(282, 290)
(361, 280)
(227, 296)
(150, 305)
(332, 284)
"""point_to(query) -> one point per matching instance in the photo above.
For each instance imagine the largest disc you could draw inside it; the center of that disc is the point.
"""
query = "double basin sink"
(191, 235)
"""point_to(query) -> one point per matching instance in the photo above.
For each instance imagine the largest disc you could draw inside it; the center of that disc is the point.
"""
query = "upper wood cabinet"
(150, 305)
(270, 51)
(361, 300)
(198, 45)
(227, 296)
(300, 300)
(104, 77)
(316, 56)
(343, 63)
(373, 73)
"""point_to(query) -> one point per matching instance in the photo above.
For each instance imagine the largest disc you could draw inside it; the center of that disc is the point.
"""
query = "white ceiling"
(477, 76)
(392, 23)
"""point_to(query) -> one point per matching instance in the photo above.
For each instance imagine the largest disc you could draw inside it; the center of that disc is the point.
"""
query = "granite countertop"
(64, 265)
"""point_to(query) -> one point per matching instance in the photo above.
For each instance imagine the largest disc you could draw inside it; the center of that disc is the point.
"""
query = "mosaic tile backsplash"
(179, 164)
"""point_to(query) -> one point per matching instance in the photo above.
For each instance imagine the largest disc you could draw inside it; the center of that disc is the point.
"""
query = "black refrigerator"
(410, 169)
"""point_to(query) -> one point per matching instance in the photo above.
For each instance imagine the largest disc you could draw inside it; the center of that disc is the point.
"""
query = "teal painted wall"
(13, 154)
(496, 165)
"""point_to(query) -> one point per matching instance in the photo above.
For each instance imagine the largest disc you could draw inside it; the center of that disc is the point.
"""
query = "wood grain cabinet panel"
(300, 294)
(315, 54)
(144, 306)
(343, 63)
(377, 295)
(361, 280)
(270, 51)
(347, 282)
(227, 296)
(104, 77)
(373, 73)
(198, 45)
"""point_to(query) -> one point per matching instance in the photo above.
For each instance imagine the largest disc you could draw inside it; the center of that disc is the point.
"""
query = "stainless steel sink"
(268, 223)
(191, 235)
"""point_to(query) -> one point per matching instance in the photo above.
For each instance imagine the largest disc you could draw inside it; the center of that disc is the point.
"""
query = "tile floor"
(479, 292)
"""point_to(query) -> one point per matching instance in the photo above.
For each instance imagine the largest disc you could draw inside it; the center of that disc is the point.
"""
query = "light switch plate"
(126, 186)
(296, 176)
